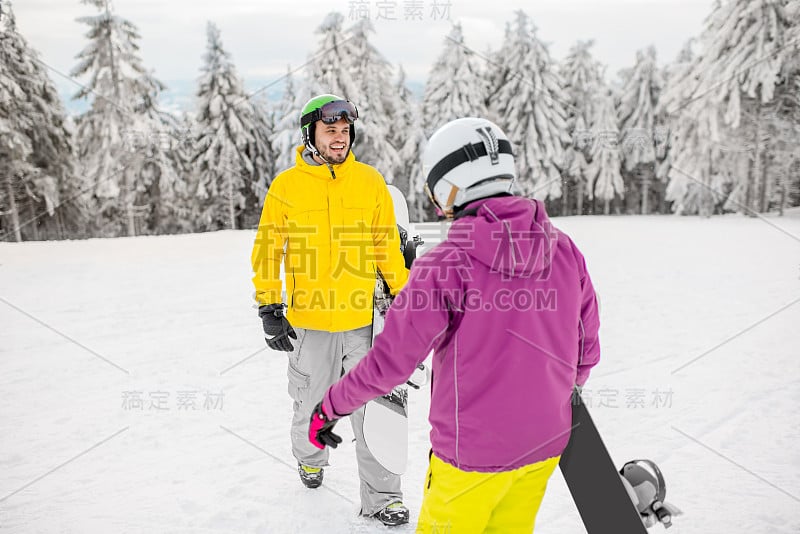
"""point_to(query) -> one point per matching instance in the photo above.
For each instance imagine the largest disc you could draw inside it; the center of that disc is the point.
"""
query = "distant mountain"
(179, 95)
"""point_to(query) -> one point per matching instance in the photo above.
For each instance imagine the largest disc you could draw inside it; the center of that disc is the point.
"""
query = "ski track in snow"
(173, 317)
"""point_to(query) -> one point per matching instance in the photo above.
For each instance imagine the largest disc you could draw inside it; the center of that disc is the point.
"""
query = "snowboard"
(386, 418)
(599, 493)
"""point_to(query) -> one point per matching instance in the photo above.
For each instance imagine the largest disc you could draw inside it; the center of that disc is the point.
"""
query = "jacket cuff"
(327, 407)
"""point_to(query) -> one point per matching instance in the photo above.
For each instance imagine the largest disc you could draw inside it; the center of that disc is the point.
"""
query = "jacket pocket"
(357, 216)
(308, 232)
(298, 383)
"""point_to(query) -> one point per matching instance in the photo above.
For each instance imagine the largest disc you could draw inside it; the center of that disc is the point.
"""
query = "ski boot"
(311, 477)
(393, 515)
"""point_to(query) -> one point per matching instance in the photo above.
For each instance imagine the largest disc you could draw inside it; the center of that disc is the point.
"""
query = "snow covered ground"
(138, 396)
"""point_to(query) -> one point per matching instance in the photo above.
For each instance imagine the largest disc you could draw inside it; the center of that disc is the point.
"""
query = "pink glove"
(320, 428)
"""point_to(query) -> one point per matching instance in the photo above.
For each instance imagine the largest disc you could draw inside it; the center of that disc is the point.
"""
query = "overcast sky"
(264, 35)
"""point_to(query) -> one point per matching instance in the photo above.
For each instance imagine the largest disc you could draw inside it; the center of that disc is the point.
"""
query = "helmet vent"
(491, 143)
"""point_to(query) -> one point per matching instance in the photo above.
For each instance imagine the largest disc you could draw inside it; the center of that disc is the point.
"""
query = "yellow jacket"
(332, 235)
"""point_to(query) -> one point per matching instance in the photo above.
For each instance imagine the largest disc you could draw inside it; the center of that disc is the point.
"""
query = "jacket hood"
(322, 171)
(512, 235)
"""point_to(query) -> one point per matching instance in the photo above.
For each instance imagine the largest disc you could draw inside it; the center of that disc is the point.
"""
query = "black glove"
(410, 250)
(320, 429)
(277, 329)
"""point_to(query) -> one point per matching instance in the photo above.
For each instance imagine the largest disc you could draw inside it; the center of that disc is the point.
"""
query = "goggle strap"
(315, 115)
(309, 117)
(469, 152)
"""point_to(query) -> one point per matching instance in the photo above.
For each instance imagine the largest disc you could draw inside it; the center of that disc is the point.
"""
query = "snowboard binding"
(646, 486)
(420, 377)
(409, 246)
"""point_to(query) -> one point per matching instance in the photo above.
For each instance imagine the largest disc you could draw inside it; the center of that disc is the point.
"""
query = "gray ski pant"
(318, 360)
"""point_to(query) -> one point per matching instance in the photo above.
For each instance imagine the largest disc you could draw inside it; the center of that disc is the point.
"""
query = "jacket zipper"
(294, 286)
(330, 229)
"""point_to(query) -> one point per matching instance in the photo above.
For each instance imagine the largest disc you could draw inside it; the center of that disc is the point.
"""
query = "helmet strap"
(432, 198)
(309, 141)
(308, 138)
(451, 198)
(449, 213)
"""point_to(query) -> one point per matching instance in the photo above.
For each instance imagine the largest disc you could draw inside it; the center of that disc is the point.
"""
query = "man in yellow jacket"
(330, 221)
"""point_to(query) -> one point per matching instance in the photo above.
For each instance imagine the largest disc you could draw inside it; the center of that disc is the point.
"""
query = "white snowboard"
(386, 418)
(400, 208)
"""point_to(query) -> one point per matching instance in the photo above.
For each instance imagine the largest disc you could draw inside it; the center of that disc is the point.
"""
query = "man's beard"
(335, 159)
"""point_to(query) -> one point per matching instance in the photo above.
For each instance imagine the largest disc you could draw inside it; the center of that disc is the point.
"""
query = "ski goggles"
(331, 112)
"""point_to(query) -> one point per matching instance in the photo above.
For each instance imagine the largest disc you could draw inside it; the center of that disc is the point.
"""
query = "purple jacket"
(508, 307)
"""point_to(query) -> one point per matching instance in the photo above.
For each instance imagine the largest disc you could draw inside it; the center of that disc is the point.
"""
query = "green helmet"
(328, 109)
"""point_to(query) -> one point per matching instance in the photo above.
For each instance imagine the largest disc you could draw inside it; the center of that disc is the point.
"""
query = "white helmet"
(467, 159)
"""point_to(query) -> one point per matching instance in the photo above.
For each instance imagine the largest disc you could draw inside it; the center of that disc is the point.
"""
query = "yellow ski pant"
(466, 502)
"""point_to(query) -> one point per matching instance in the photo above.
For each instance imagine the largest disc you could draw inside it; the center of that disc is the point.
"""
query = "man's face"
(332, 140)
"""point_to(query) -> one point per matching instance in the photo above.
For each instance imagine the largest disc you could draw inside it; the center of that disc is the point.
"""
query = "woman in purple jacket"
(507, 306)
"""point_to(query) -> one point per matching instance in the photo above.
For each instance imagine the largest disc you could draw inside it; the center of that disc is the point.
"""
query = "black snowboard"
(594, 482)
